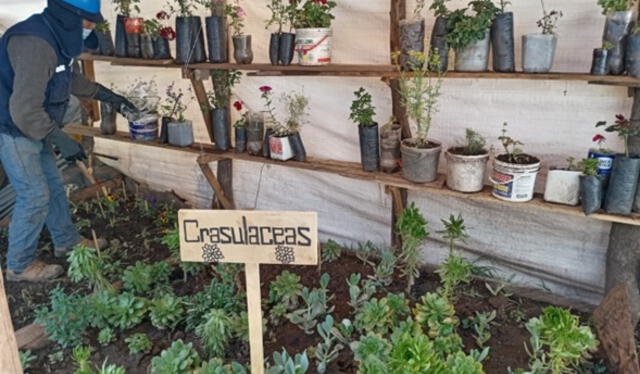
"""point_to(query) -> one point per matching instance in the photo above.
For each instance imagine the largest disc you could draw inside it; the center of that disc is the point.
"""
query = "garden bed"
(136, 228)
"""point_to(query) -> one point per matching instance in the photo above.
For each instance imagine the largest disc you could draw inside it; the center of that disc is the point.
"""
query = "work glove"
(70, 150)
(118, 102)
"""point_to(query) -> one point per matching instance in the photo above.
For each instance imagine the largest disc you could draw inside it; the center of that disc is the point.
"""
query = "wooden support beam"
(215, 184)
(89, 71)
(201, 96)
(398, 204)
(225, 177)
(398, 12)
(9, 355)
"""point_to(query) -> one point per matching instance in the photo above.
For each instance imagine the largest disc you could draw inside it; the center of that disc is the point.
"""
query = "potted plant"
(133, 27)
(150, 31)
(312, 20)
(632, 54)
(502, 42)
(599, 65)
(616, 29)
(419, 92)
(514, 173)
(469, 35)
(124, 9)
(179, 129)
(105, 41)
(144, 96)
(563, 184)
(362, 113)
(439, 33)
(623, 181)
(189, 35)
(592, 186)
(466, 165)
(538, 50)
(255, 133)
(240, 127)
(108, 114)
(412, 35)
(604, 156)
(281, 44)
(219, 99)
(390, 136)
(284, 138)
(216, 26)
(161, 49)
(242, 52)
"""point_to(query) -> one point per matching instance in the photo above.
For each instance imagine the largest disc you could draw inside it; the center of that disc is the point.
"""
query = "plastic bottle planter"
(297, 147)
(411, 39)
(121, 37)
(592, 189)
(390, 149)
(563, 187)
(616, 28)
(514, 182)
(266, 143)
(286, 48)
(241, 139)
(189, 40)
(420, 165)
(599, 63)
(133, 29)
(180, 134)
(217, 38)
(274, 48)
(146, 46)
(161, 49)
(474, 57)
(242, 52)
(605, 161)
(107, 119)
(502, 43)
(255, 134)
(633, 55)
(145, 128)
(369, 147)
(465, 173)
(105, 43)
(164, 129)
(538, 52)
(313, 46)
(220, 121)
(439, 42)
(623, 183)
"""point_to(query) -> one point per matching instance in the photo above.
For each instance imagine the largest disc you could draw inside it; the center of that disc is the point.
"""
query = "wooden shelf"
(354, 170)
(385, 71)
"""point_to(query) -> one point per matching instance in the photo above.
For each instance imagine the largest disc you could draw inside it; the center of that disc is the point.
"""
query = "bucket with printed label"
(144, 128)
(605, 161)
(514, 182)
(313, 46)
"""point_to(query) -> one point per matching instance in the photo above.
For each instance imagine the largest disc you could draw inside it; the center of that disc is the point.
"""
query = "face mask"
(86, 33)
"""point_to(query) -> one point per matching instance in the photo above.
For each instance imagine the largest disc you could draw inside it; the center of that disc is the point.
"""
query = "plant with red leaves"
(625, 129)
(314, 14)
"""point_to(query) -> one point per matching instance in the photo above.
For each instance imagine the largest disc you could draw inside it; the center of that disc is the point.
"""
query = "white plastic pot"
(313, 46)
(563, 187)
(475, 56)
(280, 148)
(514, 182)
(466, 173)
(538, 52)
(180, 134)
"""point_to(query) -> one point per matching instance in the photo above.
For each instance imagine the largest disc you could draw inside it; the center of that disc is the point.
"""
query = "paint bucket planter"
(217, 38)
(145, 128)
(189, 40)
(538, 52)
(411, 40)
(502, 43)
(563, 187)
(474, 57)
(465, 173)
(605, 161)
(220, 122)
(623, 185)
(255, 134)
(107, 119)
(439, 43)
(599, 63)
(592, 190)
(280, 148)
(105, 43)
(133, 29)
(180, 134)
(632, 55)
(146, 46)
(390, 148)
(121, 37)
(313, 46)
(241, 139)
(420, 165)
(616, 29)
(369, 147)
(514, 182)
(242, 52)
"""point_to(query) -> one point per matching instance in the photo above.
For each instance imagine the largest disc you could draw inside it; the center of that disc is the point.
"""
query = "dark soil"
(462, 151)
(520, 159)
(412, 144)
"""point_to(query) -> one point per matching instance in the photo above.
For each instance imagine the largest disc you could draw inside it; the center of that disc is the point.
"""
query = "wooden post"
(201, 96)
(9, 356)
(254, 307)
(89, 71)
(218, 191)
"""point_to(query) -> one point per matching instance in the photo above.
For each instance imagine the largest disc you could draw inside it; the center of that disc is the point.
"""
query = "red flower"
(599, 138)
(162, 15)
(238, 105)
(167, 33)
(323, 2)
(265, 89)
(620, 117)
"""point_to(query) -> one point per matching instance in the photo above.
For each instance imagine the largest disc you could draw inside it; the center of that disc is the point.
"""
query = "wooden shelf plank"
(354, 170)
(363, 70)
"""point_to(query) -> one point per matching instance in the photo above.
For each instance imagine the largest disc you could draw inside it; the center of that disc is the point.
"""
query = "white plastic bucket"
(563, 187)
(144, 128)
(313, 46)
(280, 148)
(514, 182)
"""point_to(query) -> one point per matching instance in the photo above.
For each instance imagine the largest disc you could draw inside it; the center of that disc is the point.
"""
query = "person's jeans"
(40, 198)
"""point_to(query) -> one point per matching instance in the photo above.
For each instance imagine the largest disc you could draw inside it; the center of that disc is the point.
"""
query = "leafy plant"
(138, 343)
(141, 277)
(217, 366)
(454, 271)
(439, 8)
(281, 14)
(379, 316)
(80, 357)
(99, 307)
(415, 354)
(624, 128)
(615, 5)
(106, 336)
(359, 294)
(466, 29)
(171, 240)
(372, 354)
(512, 152)
(184, 8)
(111, 369)
(385, 268)
(124, 7)
(549, 20)
(313, 14)
(65, 320)
(215, 332)
(223, 83)
(331, 251)
(128, 311)
(174, 105)
(362, 109)
(286, 289)
(412, 228)
(240, 326)
(454, 231)
(217, 295)
(463, 364)
(296, 107)
(503, 5)
(474, 143)
(438, 318)
(328, 349)
(316, 305)
(85, 264)
(179, 358)
(589, 166)
(482, 323)
(26, 357)
(285, 364)
(166, 311)
(103, 27)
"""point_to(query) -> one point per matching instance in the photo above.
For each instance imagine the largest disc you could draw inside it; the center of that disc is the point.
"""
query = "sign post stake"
(252, 274)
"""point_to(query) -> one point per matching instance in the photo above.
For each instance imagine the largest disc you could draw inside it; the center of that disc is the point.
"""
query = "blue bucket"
(145, 128)
(605, 161)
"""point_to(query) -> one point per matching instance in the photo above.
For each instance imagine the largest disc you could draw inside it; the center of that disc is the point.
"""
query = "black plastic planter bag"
(623, 184)
(502, 43)
(599, 64)
(220, 122)
(411, 39)
(241, 139)
(592, 189)
(266, 148)
(105, 43)
(369, 147)
(121, 37)
(217, 39)
(164, 129)
(161, 49)
(133, 45)
(189, 40)
(439, 42)
(287, 46)
(107, 119)
(146, 46)
(633, 55)
(274, 48)
(297, 146)
(616, 29)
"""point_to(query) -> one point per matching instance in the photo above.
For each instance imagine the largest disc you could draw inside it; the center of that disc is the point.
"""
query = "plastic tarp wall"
(555, 120)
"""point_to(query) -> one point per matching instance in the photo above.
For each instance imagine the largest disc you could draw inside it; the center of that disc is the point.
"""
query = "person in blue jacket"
(36, 81)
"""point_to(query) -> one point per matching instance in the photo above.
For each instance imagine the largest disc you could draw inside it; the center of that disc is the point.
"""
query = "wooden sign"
(252, 238)
(9, 356)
